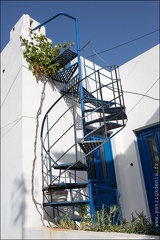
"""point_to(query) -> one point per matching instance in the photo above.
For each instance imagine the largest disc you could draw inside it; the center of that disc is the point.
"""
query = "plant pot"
(59, 196)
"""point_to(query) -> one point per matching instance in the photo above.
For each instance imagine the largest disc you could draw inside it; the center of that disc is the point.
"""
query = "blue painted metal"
(104, 190)
(80, 77)
(92, 209)
(147, 164)
(57, 15)
(66, 185)
(74, 86)
(66, 203)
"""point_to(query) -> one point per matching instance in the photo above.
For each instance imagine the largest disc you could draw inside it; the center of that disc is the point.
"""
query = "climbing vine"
(39, 53)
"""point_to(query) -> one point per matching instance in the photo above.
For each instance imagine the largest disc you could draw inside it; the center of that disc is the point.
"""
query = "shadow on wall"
(70, 158)
(18, 204)
(69, 102)
(129, 176)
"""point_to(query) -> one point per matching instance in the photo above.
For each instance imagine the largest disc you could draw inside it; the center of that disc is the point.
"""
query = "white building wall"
(140, 75)
(12, 201)
(20, 100)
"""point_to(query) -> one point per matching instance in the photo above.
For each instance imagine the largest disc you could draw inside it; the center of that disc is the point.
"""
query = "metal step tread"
(88, 146)
(79, 166)
(73, 218)
(65, 57)
(110, 117)
(72, 85)
(66, 203)
(88, 97)
(98, 102)
(59, 186)
(111, 110)
(65, 75)
(101, 130)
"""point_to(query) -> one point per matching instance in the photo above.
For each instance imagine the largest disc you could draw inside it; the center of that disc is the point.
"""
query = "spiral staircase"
(84, 109)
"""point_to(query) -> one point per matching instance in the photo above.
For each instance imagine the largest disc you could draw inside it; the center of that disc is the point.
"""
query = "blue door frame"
(149, 148)
(102, 176)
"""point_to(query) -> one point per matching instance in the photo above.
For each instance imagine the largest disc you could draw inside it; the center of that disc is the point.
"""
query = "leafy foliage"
(65, 222)
(103, 221)
(83, 211)
(39, 53)
(141, 224)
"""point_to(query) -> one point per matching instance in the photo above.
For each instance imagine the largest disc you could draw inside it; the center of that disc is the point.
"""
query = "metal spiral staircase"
(85, 108)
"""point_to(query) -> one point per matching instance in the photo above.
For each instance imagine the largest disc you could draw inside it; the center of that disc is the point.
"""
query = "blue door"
(102, 176)
(149, 149)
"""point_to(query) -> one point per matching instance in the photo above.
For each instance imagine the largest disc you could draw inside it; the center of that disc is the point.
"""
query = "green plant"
(39, 53)
(113, 223)
(82, 211)
(141, 224)
(65, 222)
(85, 224)
(99, 220)
(103, 221)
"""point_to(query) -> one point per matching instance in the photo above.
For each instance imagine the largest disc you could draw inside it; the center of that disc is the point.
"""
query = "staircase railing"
(70, 142)
(66, 133)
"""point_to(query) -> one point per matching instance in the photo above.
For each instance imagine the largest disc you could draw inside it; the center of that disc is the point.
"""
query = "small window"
(103, 162)
(154, 154)
(91, 164)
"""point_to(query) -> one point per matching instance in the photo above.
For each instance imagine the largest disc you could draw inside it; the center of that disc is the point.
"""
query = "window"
(103, 163)
(154, 154)
(92, 165)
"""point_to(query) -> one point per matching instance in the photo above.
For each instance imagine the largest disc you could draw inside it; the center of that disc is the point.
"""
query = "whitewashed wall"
(20, 101)
(20, 96)
(13, 189)
(139, 75)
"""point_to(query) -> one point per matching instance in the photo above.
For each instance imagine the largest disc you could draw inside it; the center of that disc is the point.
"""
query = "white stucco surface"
(140, 75)
(20, 97)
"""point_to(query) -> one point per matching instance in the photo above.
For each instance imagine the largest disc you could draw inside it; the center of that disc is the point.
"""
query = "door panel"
(102, 176)
(149, 149)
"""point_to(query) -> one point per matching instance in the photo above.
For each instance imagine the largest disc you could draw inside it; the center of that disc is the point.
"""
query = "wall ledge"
(53, 233)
